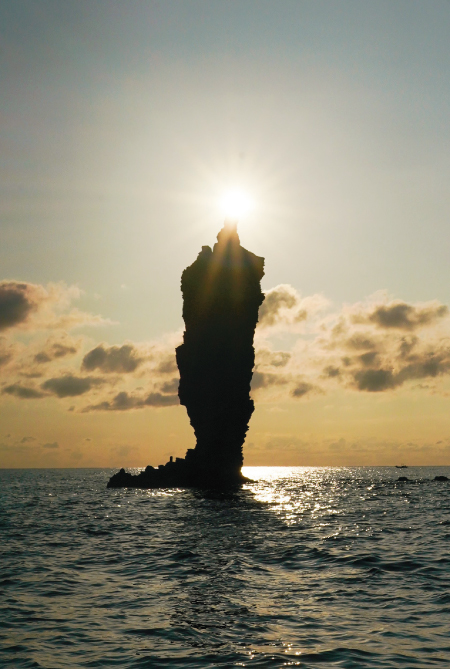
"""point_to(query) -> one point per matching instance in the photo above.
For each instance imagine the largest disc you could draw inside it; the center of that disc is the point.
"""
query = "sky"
(121, 126)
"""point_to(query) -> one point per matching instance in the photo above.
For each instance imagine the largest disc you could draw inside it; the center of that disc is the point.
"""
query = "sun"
(236, 204)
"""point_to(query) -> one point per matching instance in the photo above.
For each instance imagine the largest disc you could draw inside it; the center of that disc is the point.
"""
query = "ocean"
(305, 567)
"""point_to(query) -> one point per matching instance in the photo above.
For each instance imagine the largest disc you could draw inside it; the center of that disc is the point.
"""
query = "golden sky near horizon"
(123, 126)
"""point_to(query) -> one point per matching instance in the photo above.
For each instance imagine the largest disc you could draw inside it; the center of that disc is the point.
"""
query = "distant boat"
(401, 466)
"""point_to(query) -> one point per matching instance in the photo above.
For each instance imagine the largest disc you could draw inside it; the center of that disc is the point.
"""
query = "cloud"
(28, 305)
(379, 345)
(360, 342)
(277, 301)
(18, 301)
(159, 400)
(303, 388)
(369, 358)
(168, 365)
(170, 386)
(292, 386)
(405, 316)
(374, 380)
(56, 349)
(331, 372)
(120, 367)
(124, 401)
(365, 346)
(70, 386)
(429, 364)
(7, 351)
(4, 358)
(266, 379)
(26, 440)
(121, 402)
(118, 359)
(75, 319)
(54, 444)
(267, 357)
(42, 357)
(23, 392)
(406, 345)
(379, 377)
(284, 306)
(374, 346)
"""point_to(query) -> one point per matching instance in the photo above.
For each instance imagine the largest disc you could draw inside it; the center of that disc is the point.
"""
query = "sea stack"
(221, 298)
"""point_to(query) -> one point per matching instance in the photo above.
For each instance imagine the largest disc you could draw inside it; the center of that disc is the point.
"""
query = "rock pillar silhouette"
(221, 297)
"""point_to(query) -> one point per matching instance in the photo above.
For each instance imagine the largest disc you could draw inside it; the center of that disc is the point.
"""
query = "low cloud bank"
(376, 346)
(124, 402)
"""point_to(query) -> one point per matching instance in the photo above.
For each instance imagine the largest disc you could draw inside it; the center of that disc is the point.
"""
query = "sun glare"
(236, 204)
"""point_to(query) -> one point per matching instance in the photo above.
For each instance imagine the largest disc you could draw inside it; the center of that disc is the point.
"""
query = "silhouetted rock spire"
(221, 297)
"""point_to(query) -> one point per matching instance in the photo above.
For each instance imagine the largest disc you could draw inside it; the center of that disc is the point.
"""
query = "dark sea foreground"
(307, 567)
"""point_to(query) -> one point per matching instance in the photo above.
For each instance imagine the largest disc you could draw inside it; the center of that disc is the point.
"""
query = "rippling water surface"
(307, 567)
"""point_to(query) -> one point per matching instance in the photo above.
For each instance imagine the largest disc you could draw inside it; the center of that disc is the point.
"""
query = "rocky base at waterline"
(181, 473)
(221, 300)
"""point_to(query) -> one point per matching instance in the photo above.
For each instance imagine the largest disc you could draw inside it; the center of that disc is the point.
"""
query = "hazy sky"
(121, 125)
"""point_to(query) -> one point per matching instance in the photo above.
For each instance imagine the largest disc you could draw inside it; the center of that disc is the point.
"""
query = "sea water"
(305, 567)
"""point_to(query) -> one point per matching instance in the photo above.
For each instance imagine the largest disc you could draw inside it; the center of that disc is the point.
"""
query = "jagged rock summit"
(221, 297)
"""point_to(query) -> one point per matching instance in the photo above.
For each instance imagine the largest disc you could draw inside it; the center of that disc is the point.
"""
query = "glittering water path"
(308, 567)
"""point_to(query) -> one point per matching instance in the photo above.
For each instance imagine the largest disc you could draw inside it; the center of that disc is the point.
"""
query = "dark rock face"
(221, 297)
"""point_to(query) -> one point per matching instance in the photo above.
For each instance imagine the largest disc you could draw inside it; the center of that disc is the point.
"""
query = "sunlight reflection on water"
(306, 566)
(292, 491)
